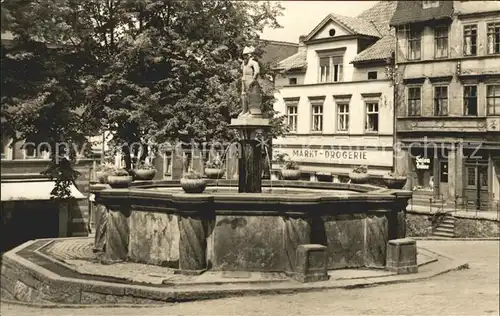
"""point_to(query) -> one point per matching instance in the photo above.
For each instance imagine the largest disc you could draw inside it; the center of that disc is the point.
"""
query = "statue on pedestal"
(251, 92)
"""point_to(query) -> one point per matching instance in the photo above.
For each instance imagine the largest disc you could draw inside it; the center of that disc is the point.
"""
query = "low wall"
(420, 224)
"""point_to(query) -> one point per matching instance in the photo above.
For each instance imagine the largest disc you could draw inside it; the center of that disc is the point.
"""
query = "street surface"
(467, 292)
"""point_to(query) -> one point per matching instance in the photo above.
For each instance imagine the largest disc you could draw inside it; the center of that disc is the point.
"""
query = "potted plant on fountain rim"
(119, 178)
(394, 180)
(102, 173)
(289, 169)
(214, 169)
(359, 175)
(192, 182)
(144, 171)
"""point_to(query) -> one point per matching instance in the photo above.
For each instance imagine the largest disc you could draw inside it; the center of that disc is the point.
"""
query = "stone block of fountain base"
(402, 256)
(248, 243)
(311, 263)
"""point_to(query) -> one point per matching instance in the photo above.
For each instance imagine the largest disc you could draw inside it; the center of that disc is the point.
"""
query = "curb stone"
(458, 239)
(185, 295)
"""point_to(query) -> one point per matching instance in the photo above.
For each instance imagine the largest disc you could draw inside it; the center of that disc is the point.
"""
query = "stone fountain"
(303, 231)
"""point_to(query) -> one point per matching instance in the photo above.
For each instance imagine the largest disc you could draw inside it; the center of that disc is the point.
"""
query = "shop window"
(470, 100)
(423, 166)
(443, 171)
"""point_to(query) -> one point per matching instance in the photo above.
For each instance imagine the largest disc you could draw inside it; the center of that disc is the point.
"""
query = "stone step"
(445, 235)
(447, 225)
(448, 221)
(445, 230)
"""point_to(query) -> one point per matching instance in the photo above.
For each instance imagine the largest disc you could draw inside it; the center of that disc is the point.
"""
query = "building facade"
(448, 99)
(336, 97)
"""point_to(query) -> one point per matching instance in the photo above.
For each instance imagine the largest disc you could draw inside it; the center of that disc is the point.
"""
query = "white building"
(336, 96)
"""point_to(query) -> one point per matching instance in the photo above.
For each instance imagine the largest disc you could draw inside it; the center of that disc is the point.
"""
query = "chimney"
(302, 46)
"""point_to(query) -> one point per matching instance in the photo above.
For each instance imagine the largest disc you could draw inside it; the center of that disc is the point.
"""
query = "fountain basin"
(157, 223)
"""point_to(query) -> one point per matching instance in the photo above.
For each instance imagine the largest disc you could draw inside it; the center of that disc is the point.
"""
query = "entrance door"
(476, 189)
(443, 179)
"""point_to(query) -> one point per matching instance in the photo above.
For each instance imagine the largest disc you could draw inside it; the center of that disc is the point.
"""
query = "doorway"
(476, 185)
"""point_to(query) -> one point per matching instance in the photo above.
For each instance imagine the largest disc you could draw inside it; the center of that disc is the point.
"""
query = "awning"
(32, 190)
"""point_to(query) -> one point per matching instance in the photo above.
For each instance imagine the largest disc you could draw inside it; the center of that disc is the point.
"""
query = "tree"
(145, 70)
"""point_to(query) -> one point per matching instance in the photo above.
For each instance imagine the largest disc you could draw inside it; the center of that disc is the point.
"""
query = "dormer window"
(430, 4)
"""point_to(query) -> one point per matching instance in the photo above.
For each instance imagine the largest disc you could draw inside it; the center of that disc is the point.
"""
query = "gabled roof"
(352, 24)
(381, 50)
(408, 12)
(296, 61)
(372, 22)
(380, 15)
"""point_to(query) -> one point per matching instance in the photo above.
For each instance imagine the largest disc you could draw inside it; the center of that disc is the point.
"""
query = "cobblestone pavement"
(467, 292)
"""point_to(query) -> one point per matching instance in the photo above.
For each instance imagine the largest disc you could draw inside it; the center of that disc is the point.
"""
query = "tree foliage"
(144, 69)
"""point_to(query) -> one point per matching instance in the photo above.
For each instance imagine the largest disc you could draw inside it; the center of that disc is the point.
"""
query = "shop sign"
(422, 162)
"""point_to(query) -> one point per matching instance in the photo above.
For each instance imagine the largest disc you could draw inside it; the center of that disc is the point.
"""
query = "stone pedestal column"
(250, 167)
(117, 235)
(192, 243)
(297, 232)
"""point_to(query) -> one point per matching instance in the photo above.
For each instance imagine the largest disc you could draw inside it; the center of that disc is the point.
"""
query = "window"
(343, 117)
(470, 40)
(331, 68)
(493, 38)
(291, 117)
(441, 101)
(414, 101)
(4, 149)
(493, 99)
(372, 75)
(292, 81)
(414, 37)
(430, 4)
(443, 174)
(317, 117)
(371, 117)
(471, 176)
(470, 100)
(441, 41)
(324, 65)
(29, 150)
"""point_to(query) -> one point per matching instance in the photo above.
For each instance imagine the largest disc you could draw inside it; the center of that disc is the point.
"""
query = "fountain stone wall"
(222, 229)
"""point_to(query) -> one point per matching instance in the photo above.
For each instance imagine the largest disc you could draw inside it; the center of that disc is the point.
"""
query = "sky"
(301, 16)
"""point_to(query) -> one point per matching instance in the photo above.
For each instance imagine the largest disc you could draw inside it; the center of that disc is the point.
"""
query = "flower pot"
(144, 174)
(193, 185)
(358, 178)
(102, 176)
(394, 182)
(214, 173)
(119, 181)
(290, 174)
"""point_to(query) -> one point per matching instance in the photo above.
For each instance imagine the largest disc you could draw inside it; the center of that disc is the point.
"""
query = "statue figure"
(251, 93)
